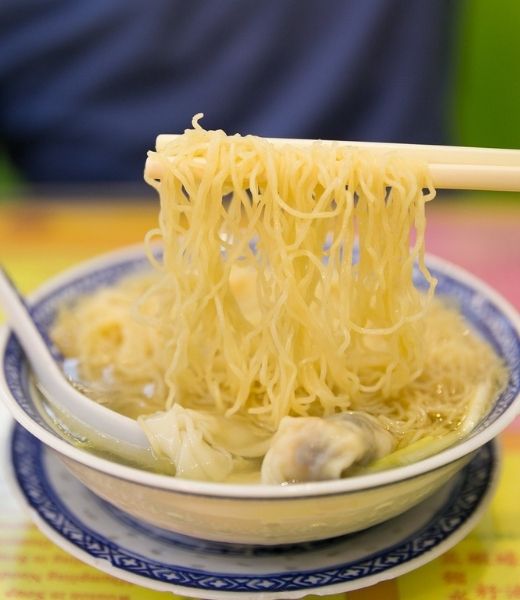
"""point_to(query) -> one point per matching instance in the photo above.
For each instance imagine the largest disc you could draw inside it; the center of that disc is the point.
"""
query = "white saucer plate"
(116, 543)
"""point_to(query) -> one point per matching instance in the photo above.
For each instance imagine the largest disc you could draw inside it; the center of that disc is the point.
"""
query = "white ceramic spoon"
(58, 390)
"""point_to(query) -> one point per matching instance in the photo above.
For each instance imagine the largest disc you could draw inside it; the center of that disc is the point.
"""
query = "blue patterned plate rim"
(471, 490)
(491, 314)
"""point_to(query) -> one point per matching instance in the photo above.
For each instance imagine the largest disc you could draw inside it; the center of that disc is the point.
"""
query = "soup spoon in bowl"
(97, 419)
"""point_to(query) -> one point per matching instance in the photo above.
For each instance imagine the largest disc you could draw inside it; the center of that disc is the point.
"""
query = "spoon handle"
(27, 331)
(38, 348)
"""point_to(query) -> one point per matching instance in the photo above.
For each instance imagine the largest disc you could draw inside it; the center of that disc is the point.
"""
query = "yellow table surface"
(39, 238)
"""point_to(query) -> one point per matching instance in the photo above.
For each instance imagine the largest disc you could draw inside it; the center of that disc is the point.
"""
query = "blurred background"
(427, 72)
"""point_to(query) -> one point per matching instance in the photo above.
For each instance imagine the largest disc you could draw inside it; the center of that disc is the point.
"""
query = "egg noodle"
(285, 287)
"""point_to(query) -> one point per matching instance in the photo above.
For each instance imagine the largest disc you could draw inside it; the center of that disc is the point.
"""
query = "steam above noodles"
(284, 292)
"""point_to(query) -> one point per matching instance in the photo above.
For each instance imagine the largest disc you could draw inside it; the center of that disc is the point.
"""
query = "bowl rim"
(256, 491)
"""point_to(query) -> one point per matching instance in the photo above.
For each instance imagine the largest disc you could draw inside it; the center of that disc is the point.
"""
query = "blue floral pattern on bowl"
(152, 556)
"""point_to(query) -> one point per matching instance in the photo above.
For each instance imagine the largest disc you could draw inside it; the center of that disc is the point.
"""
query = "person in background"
(86, 86)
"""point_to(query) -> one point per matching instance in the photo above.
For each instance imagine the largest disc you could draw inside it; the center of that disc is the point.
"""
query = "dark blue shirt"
(86, 85)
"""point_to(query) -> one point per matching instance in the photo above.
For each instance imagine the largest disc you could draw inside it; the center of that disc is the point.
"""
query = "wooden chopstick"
(451, 167)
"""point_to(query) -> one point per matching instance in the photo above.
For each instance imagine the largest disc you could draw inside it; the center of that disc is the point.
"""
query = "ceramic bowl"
(259, 514)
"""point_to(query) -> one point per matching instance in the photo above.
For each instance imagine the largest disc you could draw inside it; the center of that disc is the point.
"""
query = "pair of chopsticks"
(451, 167)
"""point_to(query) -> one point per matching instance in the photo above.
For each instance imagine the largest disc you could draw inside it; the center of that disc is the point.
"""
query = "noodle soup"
(309, 354)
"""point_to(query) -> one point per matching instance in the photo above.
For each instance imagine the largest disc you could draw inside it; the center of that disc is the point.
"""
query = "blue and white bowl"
(254, 513)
